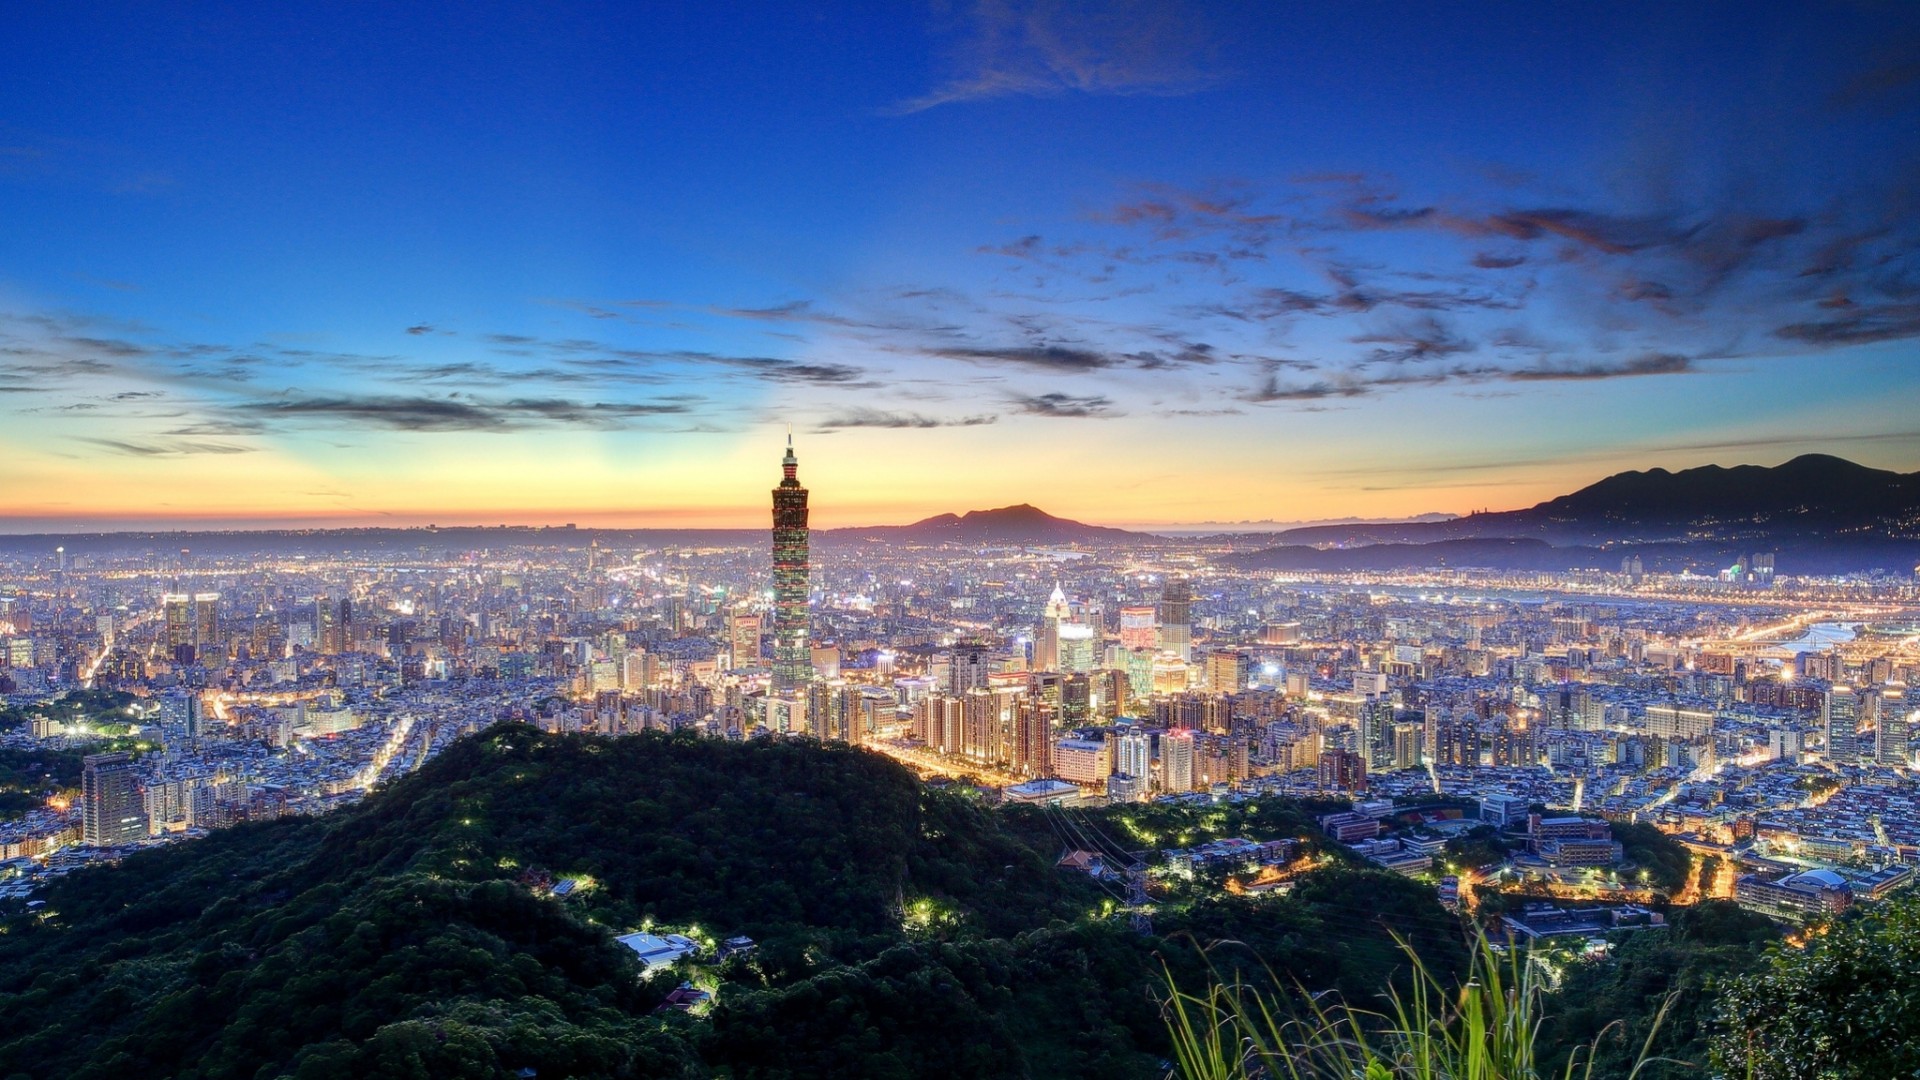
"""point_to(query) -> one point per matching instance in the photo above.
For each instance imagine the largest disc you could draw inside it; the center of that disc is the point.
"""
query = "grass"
(1485, 1029)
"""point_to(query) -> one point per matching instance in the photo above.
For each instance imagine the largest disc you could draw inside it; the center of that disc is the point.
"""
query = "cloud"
(175, 448)
(1272, 390)
(1420, 340)
(1649, 364)
(861, 417)
(1045, 357)
(1858, 326)
(1065, 405)
(425, 414)
(1045, 48)
(419, 328)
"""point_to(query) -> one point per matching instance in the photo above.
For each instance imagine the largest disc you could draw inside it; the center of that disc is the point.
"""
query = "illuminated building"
(112, 809)
(1891, 746)
(333, 624)
(1133, 754)
(1082, 761)
(1343, 770)
(1226, 671)
(743, 637)
(1137, 630)
(1046, 647)
(1176, 617)
(1073, 643)
(193, 624)
(1796, 897)
(1076, 700)
(1176, 761)
(1032, 737)
(1842, 717)
(792, 659)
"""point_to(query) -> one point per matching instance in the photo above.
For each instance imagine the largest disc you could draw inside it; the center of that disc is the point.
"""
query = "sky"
(1133, 263)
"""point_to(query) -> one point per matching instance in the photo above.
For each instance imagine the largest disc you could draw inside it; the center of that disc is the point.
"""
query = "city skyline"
(1227, 264)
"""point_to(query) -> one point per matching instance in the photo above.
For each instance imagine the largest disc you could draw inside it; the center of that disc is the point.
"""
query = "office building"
(113, 810)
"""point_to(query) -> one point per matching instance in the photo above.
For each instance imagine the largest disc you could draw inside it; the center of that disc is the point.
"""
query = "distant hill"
(1816, 513)
(1814, 496)
(1021, 524)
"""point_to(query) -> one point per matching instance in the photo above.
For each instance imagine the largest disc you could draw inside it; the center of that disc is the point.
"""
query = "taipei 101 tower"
(792, 655)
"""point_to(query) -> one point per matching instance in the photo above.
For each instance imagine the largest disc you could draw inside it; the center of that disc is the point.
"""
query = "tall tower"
(792, 655)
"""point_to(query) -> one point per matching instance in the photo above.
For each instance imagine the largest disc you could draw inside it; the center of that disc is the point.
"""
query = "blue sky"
(1136, 263)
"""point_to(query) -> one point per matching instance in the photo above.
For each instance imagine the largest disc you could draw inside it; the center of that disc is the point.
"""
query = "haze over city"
(1225, 262)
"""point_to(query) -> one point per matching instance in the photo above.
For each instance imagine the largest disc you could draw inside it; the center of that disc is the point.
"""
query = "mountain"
(1815, 495)
(1021, 524)
(902, 931)
(1818, 514)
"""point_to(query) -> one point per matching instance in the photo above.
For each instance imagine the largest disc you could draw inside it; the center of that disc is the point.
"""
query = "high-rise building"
(1176, 761)
(1133, 754)
(1226, 671)
(1176, 617)
(112, 810)
(333, 624)
(1076, 699)
(193, 624)
(1343, 770)
(1894, 731)
(1136, 628)
(1046, 646)
(1032, 737)
(743, 638)
(1074, 645)
(1841, 714)
(792, 657)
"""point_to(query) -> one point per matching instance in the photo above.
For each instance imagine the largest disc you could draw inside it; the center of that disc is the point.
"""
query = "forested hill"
(903, 931)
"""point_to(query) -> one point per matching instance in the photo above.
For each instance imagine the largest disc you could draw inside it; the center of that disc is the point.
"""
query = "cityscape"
(993, 539)
(1762, 721)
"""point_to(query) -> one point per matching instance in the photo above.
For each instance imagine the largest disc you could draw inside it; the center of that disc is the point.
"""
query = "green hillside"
(903, 932)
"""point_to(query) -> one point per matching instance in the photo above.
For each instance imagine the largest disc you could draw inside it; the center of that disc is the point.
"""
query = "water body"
(1818, 637)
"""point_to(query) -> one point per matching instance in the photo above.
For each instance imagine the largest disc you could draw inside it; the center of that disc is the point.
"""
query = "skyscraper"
(112, 810)
(1046, 648)
(792, 657)
(1176, 617)
(193, 624)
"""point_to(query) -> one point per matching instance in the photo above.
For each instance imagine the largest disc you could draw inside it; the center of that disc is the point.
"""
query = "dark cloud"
(1421, 340)
(1065, 405)
(1859, 325)
(175, 448)
(1272, 390)
(419, 328)
(402, 413)
(1649, 364)
(861, 417)
(1487, 261)
(1044, 357)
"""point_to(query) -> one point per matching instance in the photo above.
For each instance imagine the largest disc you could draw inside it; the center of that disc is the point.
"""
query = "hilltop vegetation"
(902, 931)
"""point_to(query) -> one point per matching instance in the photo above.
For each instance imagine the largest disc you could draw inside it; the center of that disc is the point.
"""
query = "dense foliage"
(27, 777)
(1839, 1008)
(902, 931)
(1666, 861)
(1615, 999)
